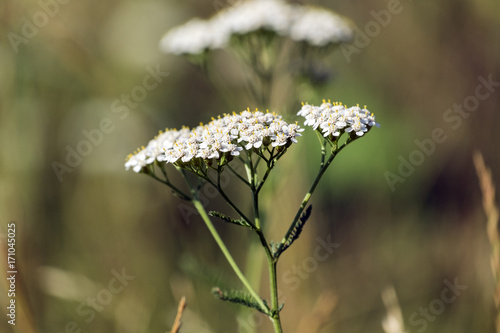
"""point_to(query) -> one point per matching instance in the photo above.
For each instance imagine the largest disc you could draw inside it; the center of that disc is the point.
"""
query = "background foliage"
(72, 234)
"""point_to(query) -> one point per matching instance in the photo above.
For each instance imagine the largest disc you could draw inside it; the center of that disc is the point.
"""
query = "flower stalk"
(206, 151)
(199, 207)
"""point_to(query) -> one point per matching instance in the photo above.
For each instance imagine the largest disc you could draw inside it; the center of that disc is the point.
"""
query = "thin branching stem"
(199, 207)
(271, 261)
(275, 315)
(322, 142)
(264, 178)
(174, 188)
(201, 210)
(309, 193)
(240, 177)
(229, 201)
(257, 162)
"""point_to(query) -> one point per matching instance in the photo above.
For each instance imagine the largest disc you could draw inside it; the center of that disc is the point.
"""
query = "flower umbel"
(218, 141)
(319, 27)
(257, 140)
(313, 26)
(194, 37)
(334, 119)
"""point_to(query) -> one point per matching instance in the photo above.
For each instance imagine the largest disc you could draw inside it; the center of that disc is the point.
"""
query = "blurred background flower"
(83, 83)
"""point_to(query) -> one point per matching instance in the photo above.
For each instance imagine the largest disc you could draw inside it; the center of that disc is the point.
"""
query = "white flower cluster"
(253, 15)
(320, 27)
(315, 26)
(225, 135)
(333, 119)
(194, 37)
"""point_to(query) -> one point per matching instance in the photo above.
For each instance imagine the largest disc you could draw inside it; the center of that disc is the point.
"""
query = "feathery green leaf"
(238, 297)
(227, 219)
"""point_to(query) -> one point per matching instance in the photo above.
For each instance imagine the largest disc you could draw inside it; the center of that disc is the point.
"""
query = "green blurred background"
(75, 235)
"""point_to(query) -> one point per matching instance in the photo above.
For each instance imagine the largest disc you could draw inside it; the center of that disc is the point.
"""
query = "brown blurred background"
(76, 232)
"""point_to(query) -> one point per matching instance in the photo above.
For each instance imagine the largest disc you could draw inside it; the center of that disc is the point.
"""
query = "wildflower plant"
(262, 35)
(268, 39)
(256, 140)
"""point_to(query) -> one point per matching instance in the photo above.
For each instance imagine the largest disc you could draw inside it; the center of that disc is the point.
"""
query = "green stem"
(238, 175)
(308, 195)
(264, 178)
(199, 207)
(273, 280)
(256, 210)
(229, 201)
(176, 190)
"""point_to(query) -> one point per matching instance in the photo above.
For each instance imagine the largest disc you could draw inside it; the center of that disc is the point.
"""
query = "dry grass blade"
(393, 322)
(177, 323)
(491, 211)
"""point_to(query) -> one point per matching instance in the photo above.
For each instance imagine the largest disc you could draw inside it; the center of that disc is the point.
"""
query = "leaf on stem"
(226, 218)
(238, 297)
(295, 233)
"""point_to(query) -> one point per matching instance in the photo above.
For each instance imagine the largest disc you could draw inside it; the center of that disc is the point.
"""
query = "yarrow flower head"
(314, 26)
(319, 27)
(334, 119)
(194, 37)
(219, 140)
(249, 16)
